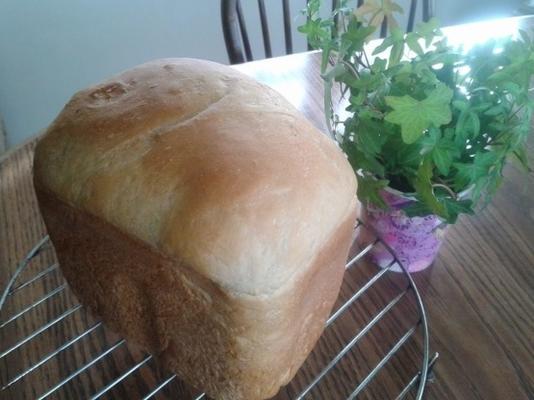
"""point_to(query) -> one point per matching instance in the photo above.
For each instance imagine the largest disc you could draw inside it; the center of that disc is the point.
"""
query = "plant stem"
(366, 59)
(350, 67)
(359, 61)
(448, 189)
(515, 113)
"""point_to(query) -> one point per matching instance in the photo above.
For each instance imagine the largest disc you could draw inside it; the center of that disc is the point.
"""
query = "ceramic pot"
(415, 241)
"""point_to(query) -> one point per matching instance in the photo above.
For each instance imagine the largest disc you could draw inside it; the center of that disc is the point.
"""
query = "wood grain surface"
(479, 296)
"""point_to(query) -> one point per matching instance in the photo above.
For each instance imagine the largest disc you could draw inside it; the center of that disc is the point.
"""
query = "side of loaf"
(201, 217)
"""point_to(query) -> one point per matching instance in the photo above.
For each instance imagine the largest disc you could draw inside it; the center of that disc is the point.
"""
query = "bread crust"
(200, 162)
(232, 346)
(200, 216)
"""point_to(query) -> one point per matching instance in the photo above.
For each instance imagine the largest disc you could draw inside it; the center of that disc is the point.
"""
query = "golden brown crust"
(202, 217)
(201, 162)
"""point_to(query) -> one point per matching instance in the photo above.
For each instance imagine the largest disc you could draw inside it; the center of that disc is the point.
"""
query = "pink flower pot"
(415, 241)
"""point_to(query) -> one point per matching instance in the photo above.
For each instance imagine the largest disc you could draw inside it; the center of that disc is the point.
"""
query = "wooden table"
(479, 294)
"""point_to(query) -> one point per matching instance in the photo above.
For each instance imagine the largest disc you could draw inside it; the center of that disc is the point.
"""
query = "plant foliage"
(424, 118)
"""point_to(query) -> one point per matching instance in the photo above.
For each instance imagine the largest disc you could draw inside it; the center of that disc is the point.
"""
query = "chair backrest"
(236, 35)
(2, 136)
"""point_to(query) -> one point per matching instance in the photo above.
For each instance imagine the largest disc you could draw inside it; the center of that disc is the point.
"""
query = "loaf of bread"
(201, 217)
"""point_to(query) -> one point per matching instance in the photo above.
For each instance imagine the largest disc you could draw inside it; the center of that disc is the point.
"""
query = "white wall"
(51, 48)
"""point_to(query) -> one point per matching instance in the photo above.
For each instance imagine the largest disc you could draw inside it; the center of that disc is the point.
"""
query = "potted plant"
(429, 127)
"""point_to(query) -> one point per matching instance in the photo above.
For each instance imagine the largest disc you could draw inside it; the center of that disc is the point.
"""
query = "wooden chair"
(2, 136)
(236, 35)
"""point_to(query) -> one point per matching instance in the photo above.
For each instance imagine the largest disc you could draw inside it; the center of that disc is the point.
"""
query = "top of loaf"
(204, 164)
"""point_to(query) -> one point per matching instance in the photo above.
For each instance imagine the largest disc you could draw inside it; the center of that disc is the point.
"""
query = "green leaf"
(318, 32)
(512, 87)
(430, 140)
(464, 175)
(443, 160)
(396, 54)
(448, 133)
(386, 43)
(397, 34)
(408, 156)
(368, 81)
(495, 110)
(417, 209)
(356, 36)
(468, 173)
(403, 159)
(467, 126)
(453, 208)
(396, 38)
(349, 80)
(481, 107)
(484, 160)
(359, 160)
(442, 150)
(327, 46)
(402, 68)
(423, 186)
(357, 100)
(448, 58)
(475, 124)
(397, 50)
(457, 207)
(370, 136)
(412, 40)
(460, 133)
(460, 105)
(312, 8)
(369, 112)
(379, 65)
(415, 116)
(369, 190)
(428, 30)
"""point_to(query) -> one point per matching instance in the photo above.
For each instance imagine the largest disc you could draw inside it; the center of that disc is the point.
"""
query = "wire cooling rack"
(310, 378)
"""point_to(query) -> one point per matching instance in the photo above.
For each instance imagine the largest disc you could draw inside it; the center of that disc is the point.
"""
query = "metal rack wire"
(416, 385)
